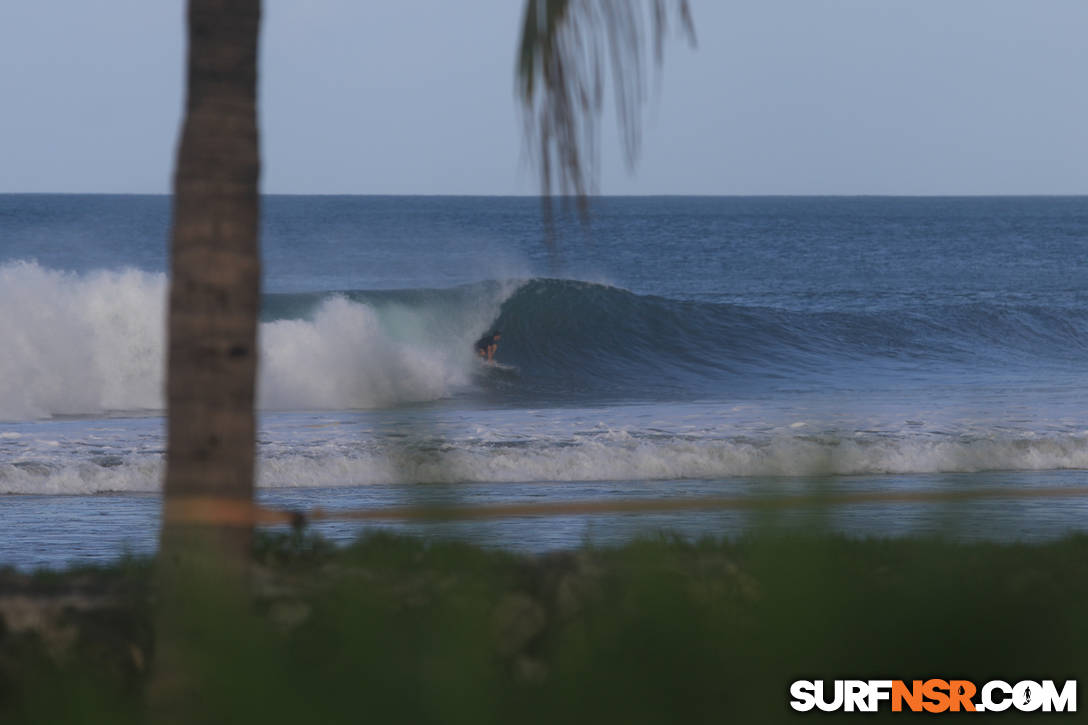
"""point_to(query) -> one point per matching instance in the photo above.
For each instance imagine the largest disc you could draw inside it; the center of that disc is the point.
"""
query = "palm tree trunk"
(212, 329)
(215, 268)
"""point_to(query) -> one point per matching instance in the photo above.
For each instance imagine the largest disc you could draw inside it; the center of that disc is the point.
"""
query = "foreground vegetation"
(397, 629)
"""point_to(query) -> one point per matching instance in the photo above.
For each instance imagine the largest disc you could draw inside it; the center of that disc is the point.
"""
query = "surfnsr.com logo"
(934, 696)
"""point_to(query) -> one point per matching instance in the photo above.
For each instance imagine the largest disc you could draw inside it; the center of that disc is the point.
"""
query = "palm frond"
(568, 49)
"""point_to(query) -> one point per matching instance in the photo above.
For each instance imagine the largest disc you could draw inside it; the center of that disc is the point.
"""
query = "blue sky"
(416, 97)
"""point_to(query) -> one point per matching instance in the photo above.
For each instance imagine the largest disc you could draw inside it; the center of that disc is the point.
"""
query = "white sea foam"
(353, 356)
(76, 344)
(86, 477)
(615, 456)
(93, 343)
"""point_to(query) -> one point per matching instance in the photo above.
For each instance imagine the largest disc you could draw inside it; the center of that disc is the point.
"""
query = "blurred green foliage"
(397, 629)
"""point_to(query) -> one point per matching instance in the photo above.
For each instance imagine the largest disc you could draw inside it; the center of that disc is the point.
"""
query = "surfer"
(487, 345)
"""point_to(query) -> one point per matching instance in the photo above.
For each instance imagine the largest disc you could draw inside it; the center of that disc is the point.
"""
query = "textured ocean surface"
(672, 347)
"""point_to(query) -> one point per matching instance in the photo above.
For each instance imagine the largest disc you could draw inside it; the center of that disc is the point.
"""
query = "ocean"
(670, 347)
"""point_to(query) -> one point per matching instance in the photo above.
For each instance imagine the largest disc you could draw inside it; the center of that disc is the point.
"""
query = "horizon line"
(559, 197)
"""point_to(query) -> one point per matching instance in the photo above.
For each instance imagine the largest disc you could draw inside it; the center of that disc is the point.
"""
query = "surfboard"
(499, 368)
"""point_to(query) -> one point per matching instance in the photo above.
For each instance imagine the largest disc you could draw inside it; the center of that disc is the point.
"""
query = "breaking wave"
(611, 456)
(91, 344)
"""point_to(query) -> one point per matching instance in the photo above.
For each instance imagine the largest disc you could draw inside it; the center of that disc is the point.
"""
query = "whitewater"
(89, 344)
(676, 345)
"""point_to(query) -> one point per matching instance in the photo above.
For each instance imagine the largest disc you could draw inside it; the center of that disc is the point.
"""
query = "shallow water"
(52, 531)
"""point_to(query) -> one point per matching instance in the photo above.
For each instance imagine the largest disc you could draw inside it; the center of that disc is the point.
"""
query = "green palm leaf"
(568, 49)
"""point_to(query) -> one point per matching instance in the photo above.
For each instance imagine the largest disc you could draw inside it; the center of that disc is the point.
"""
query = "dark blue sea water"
(670, 347)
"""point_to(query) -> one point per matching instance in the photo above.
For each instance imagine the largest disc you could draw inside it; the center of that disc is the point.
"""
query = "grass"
(397, 629)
